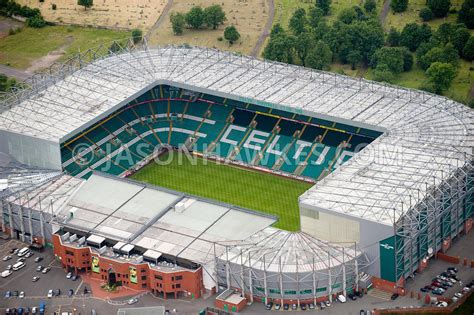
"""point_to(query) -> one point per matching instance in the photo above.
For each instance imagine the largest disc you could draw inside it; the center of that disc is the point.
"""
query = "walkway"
(266, 29)
(19, 75)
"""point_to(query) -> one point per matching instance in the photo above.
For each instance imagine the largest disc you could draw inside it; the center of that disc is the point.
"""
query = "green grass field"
(22, 49)
(245, 188)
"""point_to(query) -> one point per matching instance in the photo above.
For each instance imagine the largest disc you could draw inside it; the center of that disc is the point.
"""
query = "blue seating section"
(248, 133)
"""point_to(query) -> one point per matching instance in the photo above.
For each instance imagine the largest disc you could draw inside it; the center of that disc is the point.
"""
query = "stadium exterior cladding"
(401, 199)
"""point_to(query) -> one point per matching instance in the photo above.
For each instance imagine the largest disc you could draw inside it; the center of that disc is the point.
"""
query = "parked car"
(303, 306)
(6, 273)
(328, 303)
(57, 292)
(12, 251)
(341, 298)
(286, 306)
(269, 306)
(8, 294)
(22, 294)
(29, 254)
(132, 301)
(425, 289)
(39, 268)
(458, 294)
(454, 299)
(311, 306)
(441, 304)
(6, 258)
(35, 278)
(50, 294)
(322, 305)
(46, 270)
(294, 307)
(394, 296)
(74, 277)
(438, 291)
(9, 267)
(38, 259)
(70, 292)
(69, 275)
(34, 310)
(277, 306)
(352, 296)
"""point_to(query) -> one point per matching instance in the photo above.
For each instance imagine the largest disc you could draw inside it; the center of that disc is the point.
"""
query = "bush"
(220, 39)
(383, 74)
(85, 3)
(468, 51)
(36, 22)
(441, 75)
(214, 16)
(426, 14)
(137, 35)
(195, 17)
(53, 6)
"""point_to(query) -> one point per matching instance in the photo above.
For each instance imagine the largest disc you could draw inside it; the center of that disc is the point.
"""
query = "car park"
(132, 301)
(35, 278)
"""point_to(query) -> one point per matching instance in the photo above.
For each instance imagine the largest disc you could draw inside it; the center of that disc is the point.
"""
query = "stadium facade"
(392, 167)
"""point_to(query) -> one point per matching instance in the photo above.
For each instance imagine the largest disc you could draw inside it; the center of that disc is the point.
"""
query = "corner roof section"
(426, 137)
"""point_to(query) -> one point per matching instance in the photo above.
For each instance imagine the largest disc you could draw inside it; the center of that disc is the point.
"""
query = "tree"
(298, 21)
(354, 57)
(347, 15)
(392, 57)
(137, 35)
(407, 59)
(383, 74)
(393, 37)
(195, 17)
(426, 14)
(85, 3)
(466, 14)
(178, 22)
(277, 29)
(399, 5)
(444, 33)
(319, 57)
(460, 38)
(324, 5)
(315, 16)
(214, 16)
(446, 54)
(280, 48)
(370, 6)
(303, 43)
(440, 8)
(468, 51)
(231, 34)
(413, 35)
(441, 75)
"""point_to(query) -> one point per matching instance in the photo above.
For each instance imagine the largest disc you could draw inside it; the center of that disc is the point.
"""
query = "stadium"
(294, 184)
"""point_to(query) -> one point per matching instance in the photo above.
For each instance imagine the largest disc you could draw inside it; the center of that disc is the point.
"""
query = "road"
(10, 72)
(266, 29)
(161, 19)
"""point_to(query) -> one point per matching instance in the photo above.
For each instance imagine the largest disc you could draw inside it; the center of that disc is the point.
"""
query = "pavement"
(19, 75)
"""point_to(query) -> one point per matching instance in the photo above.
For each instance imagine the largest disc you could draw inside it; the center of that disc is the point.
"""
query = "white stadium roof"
(426, 137)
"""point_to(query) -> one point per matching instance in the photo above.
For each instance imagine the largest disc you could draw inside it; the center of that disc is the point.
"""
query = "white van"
(341, 298)
(22, 252)
(18, 266)
(6, 273)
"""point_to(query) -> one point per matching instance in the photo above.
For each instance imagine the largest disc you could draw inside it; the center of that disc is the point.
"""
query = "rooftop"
(426, 137)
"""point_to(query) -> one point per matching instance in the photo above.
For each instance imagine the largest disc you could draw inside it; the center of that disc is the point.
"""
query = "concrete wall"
(31, 151)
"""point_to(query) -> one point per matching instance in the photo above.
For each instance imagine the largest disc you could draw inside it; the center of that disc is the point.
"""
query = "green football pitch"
(241, 187)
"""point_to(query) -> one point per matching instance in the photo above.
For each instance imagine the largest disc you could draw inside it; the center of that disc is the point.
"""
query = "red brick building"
(162, 280)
